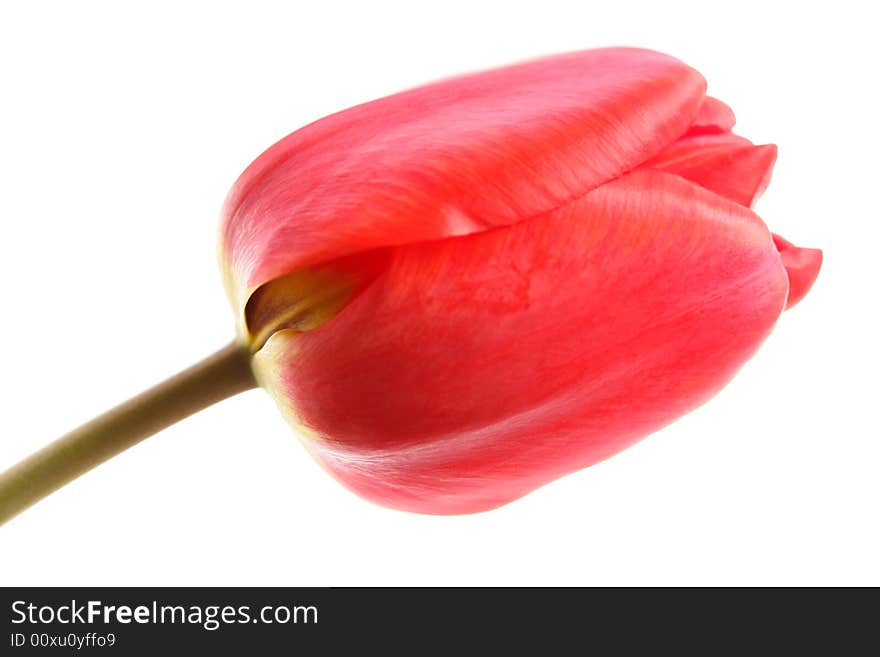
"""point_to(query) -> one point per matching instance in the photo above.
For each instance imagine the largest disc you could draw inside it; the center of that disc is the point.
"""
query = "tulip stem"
(221, 375)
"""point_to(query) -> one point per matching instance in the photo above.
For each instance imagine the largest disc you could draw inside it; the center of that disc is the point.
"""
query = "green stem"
(221, 375)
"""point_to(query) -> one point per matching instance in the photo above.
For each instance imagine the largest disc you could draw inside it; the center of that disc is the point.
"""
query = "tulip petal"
(477, 368)
(714, 116)
(802, 266)
(456, 157)
(689, 147)
(723, 163)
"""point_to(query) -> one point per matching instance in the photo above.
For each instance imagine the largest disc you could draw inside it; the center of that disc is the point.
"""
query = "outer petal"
(723, 163)
(478, 368)
(452, 158)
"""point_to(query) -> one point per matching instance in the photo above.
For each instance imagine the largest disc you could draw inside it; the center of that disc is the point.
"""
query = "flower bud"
(464, 291)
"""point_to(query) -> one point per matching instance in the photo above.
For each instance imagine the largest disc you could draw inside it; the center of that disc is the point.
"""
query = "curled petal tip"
(724, 163)
(714, 116)
(763, 158)
(802, 266)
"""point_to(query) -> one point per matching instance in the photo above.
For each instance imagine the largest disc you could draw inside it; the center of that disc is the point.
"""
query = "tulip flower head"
(461, 292)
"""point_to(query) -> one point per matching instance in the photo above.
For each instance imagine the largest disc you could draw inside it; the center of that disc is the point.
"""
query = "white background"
(121, 130)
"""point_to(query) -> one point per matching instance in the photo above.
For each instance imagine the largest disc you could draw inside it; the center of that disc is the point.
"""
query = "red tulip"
(464, 291)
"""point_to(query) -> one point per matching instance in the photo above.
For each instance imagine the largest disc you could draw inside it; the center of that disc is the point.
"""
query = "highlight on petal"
(477, 368)
(713, 117)
(460, 156)
(724, 163)
(802, 266)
